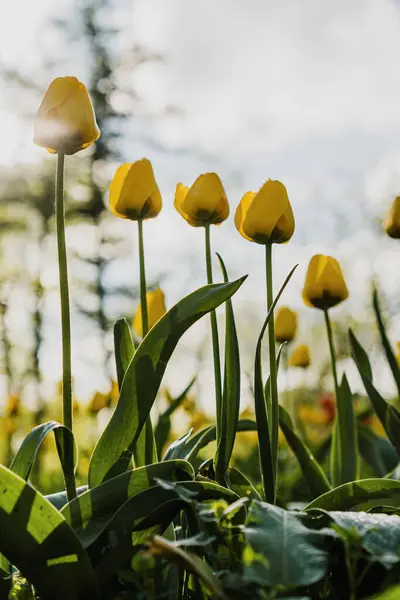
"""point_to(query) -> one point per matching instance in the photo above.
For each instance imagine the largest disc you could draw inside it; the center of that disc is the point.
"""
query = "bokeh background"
(305, 92)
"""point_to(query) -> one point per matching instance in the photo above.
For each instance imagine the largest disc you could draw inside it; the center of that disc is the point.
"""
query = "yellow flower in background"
(266, 217)
(98, 402)
(325, 285)
(285, 324)
(300, 357)
(13, 406)
(398, 353)
(392, 221)
(65, 120)
(205, 203)
(155, 308)
(134, 193)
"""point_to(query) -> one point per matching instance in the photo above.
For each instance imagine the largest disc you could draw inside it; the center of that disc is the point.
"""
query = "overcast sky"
(306, 92)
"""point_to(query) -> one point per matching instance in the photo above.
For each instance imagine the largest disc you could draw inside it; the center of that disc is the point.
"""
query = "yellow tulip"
(325, 285)
(134, 193)
(155, 308)
(205, 203)
(98, 402)
(13, 406)
(392, 221)
(65, 120)
(266, 217)
(300, 357)
(285, 325)
(398, 353)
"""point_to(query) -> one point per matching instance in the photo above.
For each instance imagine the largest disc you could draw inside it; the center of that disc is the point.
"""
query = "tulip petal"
(205, 203)
(241, 213)
(134, 193)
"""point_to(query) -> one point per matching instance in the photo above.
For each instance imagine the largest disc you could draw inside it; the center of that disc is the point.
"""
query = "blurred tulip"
(13, 406)
(98, 402)
(327, 402)
(285, 325)
(65, 120)
(134, 193)
(300, 357)
(266, 217)
(205, 203)
(398, 353)
(155, 307)
(392, 221)
(324, 286)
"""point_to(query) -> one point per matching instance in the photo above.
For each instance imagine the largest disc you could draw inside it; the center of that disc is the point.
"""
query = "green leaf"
(281, 550)
(144, 374)
(391, 358)
(392, 593)
(359, 495)
(189, 561)
(231, 390)
(376, 451)
(360, 357)
(145, 448)
(99, 504)
(38, 541)
(239, 484)
(312, 471)
(378, 534)
(387, 414)
(347, 435)
(268, 474)
(24, 458)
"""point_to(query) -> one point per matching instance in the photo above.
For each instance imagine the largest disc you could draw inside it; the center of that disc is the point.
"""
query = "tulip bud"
(155, 309)
(205, 203)
(266, 217)
(134, 193)
(65, 120)
(300, 357)
(392, 221)
(285, 325)
(324, 286)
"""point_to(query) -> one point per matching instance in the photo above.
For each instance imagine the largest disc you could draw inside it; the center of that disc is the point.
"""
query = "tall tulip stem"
(145, 452)
(336, 454)
(274, 409)
(65, 318)
(143, 289)
(215, 340)
(332, 351)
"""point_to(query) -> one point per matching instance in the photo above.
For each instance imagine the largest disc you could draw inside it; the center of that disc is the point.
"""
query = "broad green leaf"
(264, 427)
(145, 451)
(59, 499)
(231, 390)
(391, 358)
(101, 502)
(38, 541)
(312, 471)
(359, 495)
(24, 458)
(239, 484)
(281, 550)
(378, 534)
(144, 374)
(191, 562)
(392, 593)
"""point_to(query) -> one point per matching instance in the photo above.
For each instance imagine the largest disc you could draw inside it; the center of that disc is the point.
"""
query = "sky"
(304, 92)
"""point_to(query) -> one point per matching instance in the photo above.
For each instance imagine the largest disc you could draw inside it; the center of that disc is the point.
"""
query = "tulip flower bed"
(153, 520)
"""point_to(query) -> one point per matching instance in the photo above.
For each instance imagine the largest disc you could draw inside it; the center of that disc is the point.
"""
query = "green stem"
(146, 453)
(143, 290)
(65, 318)
(274, 412)
(336, 442)
(215, 341)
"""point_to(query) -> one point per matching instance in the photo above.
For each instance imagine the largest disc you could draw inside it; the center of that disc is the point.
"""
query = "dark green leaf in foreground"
(144, 374)
(347, 434)
(281, 550)
(163, 427)
(378, 534)
(360, 495)
(312, 471)
(38, 541)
